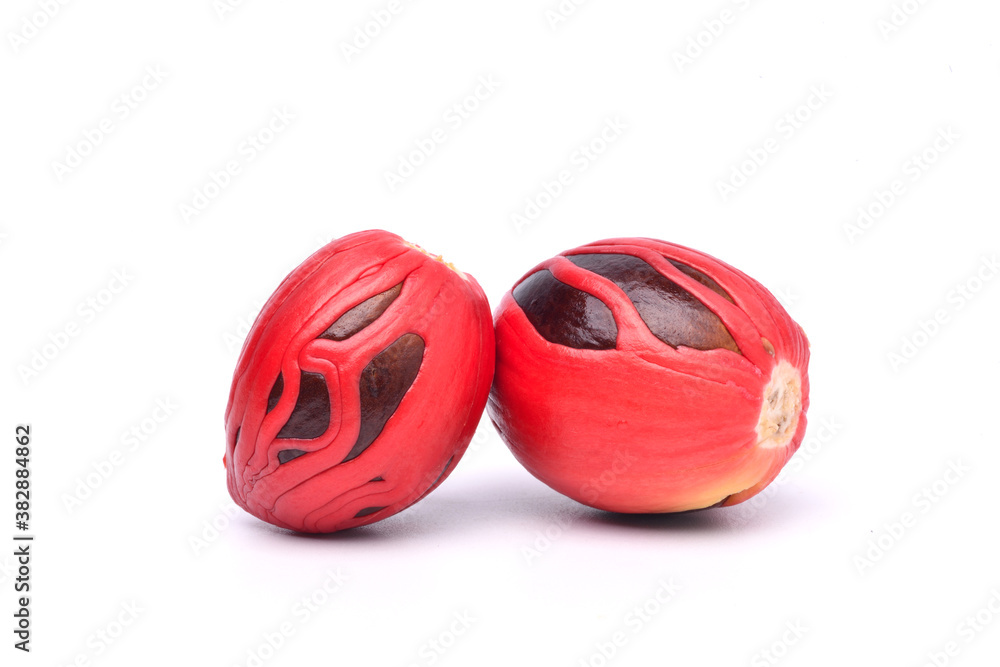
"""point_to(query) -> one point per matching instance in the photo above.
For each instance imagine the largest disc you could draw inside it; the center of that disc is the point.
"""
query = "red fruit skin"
(419, 445)
(647, 427)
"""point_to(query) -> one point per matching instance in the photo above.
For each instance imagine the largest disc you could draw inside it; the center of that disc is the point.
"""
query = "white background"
(540, 579)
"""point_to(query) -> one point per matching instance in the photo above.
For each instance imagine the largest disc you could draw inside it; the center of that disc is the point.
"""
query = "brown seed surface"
(673, 314)
(361, 315)
(384, 382)
(311, 416)
(566, 315)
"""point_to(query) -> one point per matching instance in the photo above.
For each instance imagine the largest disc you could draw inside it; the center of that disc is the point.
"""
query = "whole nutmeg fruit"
(359, 385)
(636, 375)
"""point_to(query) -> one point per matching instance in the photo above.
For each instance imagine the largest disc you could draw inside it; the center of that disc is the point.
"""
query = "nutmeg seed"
(635, 375)
(359, 387)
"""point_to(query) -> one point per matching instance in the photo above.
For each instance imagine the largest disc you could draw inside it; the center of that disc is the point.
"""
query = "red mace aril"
(635, 375)
(359, 386)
